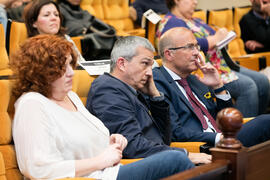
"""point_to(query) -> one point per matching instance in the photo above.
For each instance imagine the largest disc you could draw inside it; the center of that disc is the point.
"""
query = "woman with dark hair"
(249, 88)
(55, 136)
(44, 17)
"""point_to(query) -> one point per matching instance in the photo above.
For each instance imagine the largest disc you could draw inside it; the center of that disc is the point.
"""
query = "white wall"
(220, 4)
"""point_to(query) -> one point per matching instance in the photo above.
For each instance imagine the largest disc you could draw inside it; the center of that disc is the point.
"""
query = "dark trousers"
(157, 166)
(255, 131)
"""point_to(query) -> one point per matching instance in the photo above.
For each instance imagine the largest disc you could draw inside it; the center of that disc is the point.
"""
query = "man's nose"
(149, 71)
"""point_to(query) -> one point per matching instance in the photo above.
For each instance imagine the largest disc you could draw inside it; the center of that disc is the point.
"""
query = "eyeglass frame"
(189, 46)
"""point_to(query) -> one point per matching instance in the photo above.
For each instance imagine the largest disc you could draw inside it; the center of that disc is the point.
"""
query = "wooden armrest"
(77, 41)
(189, 146)
(127, 161)
(159, 61)
(250, 62)
(77, 178)
(245, 120)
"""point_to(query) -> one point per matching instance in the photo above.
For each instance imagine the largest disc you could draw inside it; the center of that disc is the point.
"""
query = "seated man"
(118, 100)
(255, 27)
(192, 108)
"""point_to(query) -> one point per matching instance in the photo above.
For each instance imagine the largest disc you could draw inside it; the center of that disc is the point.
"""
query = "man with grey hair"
(128, 102)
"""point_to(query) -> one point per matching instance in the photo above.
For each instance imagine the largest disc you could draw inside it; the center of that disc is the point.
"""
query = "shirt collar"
(260, 16)
(172, 74)
(133, 90)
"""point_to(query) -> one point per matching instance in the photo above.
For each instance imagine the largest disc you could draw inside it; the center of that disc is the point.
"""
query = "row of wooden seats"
(115, 13)
(228, 18)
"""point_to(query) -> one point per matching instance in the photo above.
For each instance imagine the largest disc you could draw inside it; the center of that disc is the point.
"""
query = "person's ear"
(177, 1)
(121, 63)
(168, 54)
(35, 25)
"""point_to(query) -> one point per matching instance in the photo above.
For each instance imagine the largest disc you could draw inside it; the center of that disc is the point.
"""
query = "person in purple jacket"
(250, 89)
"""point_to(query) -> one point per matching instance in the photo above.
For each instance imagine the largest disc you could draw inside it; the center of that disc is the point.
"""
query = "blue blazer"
(145, 125)
(185, 124)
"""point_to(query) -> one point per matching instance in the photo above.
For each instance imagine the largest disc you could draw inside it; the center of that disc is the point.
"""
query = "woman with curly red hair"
(55, 136)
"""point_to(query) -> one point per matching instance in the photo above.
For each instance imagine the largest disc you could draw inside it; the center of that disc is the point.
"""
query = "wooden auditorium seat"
(116, 13)
(221, 18)
(82, 83)
(94, 7)
(201, 14)
(239, 12)
(17, 35)
(4, 70)
(6, 146)
(2, 168)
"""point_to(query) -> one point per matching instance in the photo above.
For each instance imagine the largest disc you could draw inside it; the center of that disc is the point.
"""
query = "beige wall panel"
(220, 4)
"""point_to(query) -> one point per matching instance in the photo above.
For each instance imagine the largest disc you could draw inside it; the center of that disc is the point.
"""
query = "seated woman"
(44, 17)
(54, 134)
(249, 88)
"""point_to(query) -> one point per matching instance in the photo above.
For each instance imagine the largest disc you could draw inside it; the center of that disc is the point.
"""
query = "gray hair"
(164, 42)
(126, 47)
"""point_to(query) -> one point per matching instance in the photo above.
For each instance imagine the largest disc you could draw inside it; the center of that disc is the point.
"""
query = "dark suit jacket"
(145, 125)
(185, 124)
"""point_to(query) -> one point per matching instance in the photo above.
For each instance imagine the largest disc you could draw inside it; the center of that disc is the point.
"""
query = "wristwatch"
(218, 90)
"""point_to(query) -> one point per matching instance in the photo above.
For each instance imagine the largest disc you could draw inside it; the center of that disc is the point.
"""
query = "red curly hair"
(39, 62)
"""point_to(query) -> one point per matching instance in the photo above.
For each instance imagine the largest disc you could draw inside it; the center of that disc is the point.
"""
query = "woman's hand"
(119, 139)
(214, 39)
(111, 155)
(221, 34)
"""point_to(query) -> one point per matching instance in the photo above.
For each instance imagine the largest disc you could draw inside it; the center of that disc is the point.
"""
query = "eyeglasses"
(188, 46)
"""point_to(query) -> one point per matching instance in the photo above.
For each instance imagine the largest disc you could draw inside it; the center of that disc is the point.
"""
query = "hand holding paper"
(230, 36)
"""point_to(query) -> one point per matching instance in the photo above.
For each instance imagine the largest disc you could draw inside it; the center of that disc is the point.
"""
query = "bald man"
(192, 108)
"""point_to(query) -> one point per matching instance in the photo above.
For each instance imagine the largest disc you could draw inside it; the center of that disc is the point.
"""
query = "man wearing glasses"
(192, 108)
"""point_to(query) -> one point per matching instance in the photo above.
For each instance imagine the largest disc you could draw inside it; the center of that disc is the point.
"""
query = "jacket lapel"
(198, 89)
(176, 88)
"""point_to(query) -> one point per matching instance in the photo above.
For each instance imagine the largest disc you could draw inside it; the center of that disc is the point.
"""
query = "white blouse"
(48, 138)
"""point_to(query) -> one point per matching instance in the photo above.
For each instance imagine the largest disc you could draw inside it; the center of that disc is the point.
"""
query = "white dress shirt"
(48, 138)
